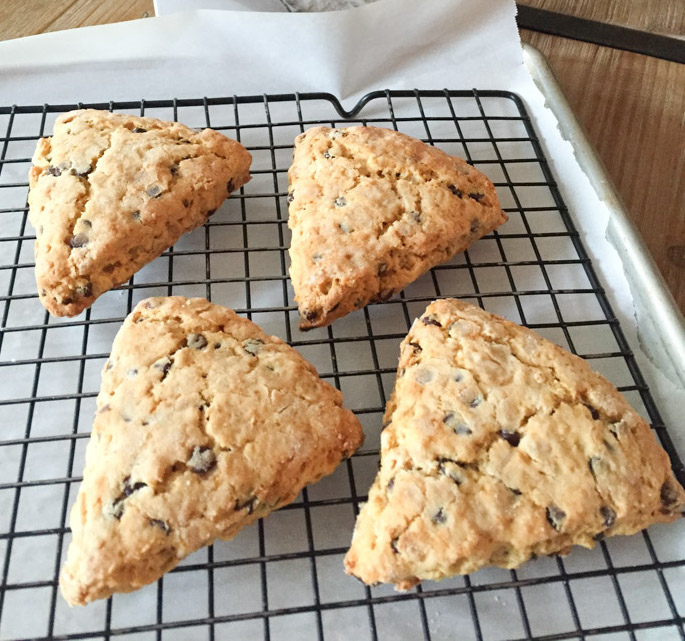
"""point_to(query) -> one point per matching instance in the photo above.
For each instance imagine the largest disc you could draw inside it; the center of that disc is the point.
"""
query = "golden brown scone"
(500, 446)
(370, 211)
(110, 192)
(204, 424)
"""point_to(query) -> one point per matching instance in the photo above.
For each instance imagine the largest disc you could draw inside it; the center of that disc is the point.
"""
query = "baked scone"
(110, 192)
(204, 424)
(371, 210)
(498, 447)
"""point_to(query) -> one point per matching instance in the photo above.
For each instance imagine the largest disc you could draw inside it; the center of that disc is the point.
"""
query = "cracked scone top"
(500, 446)
(370, 211)
(204, 424)
(110, 192)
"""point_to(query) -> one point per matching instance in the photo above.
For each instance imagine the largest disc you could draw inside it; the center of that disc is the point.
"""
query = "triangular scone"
(500, 446)
(204, 424)
(110, 192)
(371, 210)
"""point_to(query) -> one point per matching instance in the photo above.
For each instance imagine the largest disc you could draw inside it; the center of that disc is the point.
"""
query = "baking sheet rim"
(651, 297)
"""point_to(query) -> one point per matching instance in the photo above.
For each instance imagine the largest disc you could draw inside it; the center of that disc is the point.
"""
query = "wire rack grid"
(283, 578)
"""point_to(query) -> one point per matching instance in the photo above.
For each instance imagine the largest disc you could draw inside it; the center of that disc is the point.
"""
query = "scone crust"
(204, 424)
(372, 209)
(110, 192)
(500, 446)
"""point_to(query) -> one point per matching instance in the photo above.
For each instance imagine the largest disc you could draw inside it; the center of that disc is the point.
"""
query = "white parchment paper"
(393, 44)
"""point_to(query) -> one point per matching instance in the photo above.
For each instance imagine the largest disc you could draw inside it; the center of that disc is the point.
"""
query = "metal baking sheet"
(283, 578)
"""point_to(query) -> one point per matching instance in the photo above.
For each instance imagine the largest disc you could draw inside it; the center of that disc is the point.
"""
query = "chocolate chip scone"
(500, 446)
(370, 211)
(110, 192)
(204, 424)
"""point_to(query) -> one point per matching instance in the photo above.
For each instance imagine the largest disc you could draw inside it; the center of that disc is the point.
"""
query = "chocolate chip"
(555, 517)
(67, 301)
(197, 341)
(382, 268)
(475, 225)
(84, 291)
(249, 505)
(291, 196)
(430, 320)
(311, 315)
(316, 257)
(593, 412)
(393, 545)
(154, 192)
(201, 460)
(340, 201)
(135, 215)
(511, 437)
(79, 240)
(475, 402)
(253, 346)
(454, 421)
(668, 494)
(391, 484)
(53, 171)
(173, 169)
(326, 154)
(608, 515)
(477, 196)
(424, 375)
(217, 345)
(162, 525)
(456, 191)
(163, 364)
(439, 517)
(86, 223)
(515, 491)
(416, 346)
(82, 172)
(416, 217)
(117, 509)
(138, 130)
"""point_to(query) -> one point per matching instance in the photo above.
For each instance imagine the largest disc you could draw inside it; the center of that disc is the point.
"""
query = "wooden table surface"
(630, 105)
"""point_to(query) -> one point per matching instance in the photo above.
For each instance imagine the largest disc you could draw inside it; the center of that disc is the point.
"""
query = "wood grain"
(20, 18)
(632, 107)
(655, 16)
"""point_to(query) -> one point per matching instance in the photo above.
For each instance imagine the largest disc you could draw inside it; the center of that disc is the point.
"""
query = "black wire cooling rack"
(283, 578)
